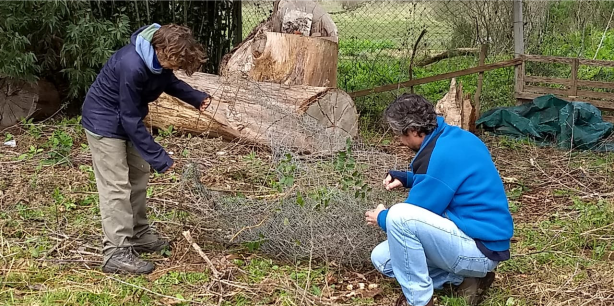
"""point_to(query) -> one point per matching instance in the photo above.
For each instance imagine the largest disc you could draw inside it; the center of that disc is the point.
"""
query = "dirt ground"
(563, 247)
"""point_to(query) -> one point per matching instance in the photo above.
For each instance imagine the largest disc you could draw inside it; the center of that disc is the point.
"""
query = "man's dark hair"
(411, 112)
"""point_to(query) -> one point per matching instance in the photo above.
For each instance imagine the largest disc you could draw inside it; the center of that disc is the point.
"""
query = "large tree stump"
(20, 100)
(456, 108)
(300, 118)
(294, 60)
(278, 50)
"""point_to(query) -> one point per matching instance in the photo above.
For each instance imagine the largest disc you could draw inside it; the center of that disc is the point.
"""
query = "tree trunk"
(294, 60)
(456, 108)
(300, 118)
(24, 100)
(273, 52)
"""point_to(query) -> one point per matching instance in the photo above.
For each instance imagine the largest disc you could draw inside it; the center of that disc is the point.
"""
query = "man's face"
(412, 140)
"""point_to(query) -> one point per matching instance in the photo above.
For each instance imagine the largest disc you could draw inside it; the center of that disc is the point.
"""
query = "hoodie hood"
(142, 44)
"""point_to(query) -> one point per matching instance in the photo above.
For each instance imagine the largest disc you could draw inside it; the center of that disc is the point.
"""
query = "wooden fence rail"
(527, 86)
(575, 89)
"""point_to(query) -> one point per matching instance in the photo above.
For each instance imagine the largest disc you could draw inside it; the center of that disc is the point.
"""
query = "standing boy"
(122, 148)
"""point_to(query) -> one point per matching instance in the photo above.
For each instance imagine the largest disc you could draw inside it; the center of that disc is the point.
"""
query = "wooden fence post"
(518, 46)
(478, 91)
(574, 78)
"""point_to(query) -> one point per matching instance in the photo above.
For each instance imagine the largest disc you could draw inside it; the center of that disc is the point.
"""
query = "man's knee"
(380, 256)
(401, 215)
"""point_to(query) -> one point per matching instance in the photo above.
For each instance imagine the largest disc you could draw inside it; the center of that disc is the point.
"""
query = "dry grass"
(50, 233)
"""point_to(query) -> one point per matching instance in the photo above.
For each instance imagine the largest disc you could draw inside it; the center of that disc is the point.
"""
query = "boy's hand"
(172, 167)
(371, 215)
(390, 183)
(205, 104)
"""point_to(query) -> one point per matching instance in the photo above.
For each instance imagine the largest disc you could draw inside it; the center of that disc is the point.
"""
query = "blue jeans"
(424, 251)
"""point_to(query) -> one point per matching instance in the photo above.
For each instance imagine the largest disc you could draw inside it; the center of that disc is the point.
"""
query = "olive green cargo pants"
(121, 178)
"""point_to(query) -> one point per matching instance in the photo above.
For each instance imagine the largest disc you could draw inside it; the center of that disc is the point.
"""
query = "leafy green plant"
(60, 143)
(285, 172)
(352, 178)
(31, 153)
(63, 201)
(33, 129)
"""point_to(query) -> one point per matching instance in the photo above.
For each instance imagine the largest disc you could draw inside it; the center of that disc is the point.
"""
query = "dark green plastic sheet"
(549, 120)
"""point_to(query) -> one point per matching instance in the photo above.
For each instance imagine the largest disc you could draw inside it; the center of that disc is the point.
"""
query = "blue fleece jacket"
(117, 102)
(453, 175)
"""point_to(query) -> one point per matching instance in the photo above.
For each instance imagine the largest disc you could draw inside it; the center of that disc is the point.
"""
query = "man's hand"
(390, 184)
(371, 215)
(205, 104)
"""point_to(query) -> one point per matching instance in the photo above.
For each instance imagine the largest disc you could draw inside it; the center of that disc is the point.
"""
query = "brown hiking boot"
(155, 247)
(402, 301)
(473, 288)
(125, 260)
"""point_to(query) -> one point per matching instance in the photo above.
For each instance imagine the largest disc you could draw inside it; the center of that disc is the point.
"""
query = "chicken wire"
(319, 215)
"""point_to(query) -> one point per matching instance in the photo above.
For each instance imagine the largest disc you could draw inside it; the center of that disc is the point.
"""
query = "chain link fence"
(378, 39)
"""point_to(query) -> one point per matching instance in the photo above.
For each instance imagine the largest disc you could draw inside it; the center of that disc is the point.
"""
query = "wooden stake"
(478, 91)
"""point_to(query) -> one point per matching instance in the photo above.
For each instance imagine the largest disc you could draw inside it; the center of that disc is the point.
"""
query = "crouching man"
(455, 226)
(122, 149)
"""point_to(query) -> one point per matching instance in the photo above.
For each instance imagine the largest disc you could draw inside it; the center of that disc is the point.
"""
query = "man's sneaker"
(473, 288)
(402, 301)
(125, 260)
(155, 247)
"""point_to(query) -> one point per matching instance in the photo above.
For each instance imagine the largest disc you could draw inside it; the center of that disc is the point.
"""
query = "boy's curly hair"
(176, 45)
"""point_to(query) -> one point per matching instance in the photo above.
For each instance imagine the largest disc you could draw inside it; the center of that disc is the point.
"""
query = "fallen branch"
(446, 54)
(413, 56)
(248, 227)
(202, 254)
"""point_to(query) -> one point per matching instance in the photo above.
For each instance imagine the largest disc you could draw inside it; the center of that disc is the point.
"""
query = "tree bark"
(272, 55)
(294, 60)
(300, 118)
(456, 108)
(19, 100)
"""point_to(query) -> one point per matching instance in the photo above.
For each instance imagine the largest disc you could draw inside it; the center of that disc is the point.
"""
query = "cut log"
(456, 108)
(20, 100)
(274, 53)
(299, 118)
(294, 60)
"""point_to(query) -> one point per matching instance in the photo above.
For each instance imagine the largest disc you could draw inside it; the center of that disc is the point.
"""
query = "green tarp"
(549, 120)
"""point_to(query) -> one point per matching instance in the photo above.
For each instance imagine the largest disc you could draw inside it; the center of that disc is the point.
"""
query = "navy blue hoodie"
(117, 102)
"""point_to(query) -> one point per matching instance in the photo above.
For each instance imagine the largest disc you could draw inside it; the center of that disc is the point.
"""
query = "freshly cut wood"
(20, 100)
(273, 52)
(294, 60)
(456, 108)
(300, 118)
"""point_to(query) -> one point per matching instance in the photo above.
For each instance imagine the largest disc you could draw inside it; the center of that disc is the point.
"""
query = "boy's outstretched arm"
(131, 81)
(181, 90)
